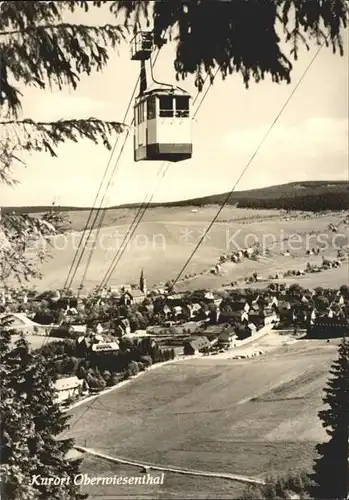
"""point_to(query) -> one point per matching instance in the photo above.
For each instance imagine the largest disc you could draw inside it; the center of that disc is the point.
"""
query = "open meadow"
(248, 417)
(331, 278)
(166, 237)
(176, 486)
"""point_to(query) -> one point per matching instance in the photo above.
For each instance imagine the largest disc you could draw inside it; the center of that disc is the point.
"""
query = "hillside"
(219, 415)
(308, 196)
(312, 196)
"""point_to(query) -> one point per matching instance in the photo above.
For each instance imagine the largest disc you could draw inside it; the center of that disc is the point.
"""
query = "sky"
(309, 142)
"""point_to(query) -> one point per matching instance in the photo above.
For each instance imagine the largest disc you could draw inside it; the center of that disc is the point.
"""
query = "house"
(195, 346)
(268, 310)
(67, 330)
(256, 318)
(137, 335)
(246, 331)
(194, 309)
(227, 338)
(214, 315)
(217, 301)
(105, 347)
(81, 329)
(244, 316)
(325, 327)
(135, 295)
(177, 311)
(96, 342)
(99, 329)
(174, 299)
(68, 387)
(313, 316)
(209, 296)
(255, 307)
(271, 318)
(284, 311)
(274, 302)
(251, 327)
(166, 310)
(85, 342)
(123, 327)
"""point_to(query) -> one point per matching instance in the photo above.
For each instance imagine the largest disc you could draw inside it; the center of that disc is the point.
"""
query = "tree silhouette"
(38, 48)
(331, 468)
(30, 424)
(240, 36)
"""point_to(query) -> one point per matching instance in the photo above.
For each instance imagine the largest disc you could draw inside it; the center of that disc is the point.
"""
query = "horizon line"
(136, 203)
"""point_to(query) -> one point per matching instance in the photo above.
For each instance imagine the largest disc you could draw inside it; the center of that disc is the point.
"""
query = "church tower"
(143, 283)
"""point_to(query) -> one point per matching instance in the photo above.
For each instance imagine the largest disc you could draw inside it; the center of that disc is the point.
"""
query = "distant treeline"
(308, 196)
(43, 209)
(307, 203)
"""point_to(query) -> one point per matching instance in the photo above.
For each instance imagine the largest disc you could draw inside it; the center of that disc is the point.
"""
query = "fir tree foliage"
(30, 423)
(286, 486)
(20, 233)
(331, 470)
(37, 48)
(240, 36)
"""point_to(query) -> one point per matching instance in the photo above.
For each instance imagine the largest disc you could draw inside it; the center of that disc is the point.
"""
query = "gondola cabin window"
(140, 113)
(151, 108)
(166, 103)
(182, 106)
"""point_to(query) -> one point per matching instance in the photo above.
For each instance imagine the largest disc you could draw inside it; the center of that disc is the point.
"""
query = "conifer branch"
(28, 135)
(55, 54)
(240, 36)
(46, 136)
(22, 233)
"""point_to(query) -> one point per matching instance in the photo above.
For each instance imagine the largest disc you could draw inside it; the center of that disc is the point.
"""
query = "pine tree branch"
(25, 14)
(241, 35)
(8, 157)
(56, 54)
(30, 136)
(101, 30)
(25, 242)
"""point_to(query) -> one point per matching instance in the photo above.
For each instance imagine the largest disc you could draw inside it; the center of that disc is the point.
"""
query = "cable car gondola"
(162, 121)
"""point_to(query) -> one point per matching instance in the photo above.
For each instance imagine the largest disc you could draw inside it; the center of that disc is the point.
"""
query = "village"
(101, 340)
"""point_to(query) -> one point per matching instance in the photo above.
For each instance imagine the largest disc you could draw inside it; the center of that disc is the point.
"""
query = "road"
(178, 470)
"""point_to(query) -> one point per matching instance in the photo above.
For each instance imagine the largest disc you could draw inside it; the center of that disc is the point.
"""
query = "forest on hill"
(312, 196)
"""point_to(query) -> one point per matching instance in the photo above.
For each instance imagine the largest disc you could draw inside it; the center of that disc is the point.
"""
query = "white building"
(271, 318)
(68, 387)
(78, 329)
(137, 335)
(105, 347)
